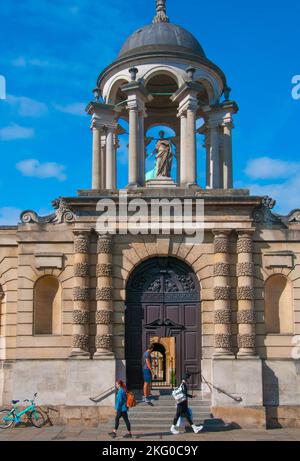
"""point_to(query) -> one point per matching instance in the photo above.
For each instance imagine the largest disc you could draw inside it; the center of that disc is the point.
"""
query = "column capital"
(222, 233)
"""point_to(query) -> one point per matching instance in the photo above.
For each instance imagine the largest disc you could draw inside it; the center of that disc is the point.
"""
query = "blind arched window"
(278, 305)
(47, 306)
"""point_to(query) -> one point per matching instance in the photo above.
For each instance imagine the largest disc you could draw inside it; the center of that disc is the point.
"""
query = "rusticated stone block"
(245, 293)
(104, 245)
(245, 269)
(80, 317)
(104, 317)
(81, 244)
(104, 342)
(81, 294)
(221, 245)
(104, 294)
(80, 342)
(222, 317)
(81, 270)
(223, 341)
(222, 293)
(222, 269)
(245, 245)
(246, 341)
(104, 270)
(246, 317)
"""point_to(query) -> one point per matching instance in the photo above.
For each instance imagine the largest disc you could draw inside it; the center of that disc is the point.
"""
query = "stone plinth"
(239, 378)
(161, 181)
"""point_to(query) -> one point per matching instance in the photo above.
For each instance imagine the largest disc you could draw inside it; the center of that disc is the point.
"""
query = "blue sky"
(51, 52)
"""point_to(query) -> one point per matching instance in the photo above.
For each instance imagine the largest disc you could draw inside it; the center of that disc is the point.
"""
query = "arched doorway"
(163, 301)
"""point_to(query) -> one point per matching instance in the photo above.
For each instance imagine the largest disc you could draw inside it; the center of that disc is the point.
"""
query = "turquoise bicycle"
(8, 418)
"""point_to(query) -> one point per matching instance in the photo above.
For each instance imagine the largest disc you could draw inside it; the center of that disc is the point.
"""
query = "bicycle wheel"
(37, 418)
(5, 424)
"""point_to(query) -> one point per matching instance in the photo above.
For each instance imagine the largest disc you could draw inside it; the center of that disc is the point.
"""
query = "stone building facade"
(66, 289)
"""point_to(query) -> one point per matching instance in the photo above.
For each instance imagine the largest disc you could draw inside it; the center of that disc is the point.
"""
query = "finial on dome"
(161, 11)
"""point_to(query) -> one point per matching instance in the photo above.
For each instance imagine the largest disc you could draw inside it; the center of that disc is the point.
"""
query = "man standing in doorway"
(147, 373)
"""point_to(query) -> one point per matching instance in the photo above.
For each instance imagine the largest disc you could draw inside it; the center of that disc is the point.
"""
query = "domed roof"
(161, 37)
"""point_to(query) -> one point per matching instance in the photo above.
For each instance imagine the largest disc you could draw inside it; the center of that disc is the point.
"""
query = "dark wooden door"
(163, 300)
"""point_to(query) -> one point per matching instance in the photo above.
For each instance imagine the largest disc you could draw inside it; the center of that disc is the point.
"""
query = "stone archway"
(163, 300)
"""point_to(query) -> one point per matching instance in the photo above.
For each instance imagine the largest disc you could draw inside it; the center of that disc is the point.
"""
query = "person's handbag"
(182, 420)
(179, 395)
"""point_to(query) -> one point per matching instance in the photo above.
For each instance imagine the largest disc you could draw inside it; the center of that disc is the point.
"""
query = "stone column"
(191, 150)
(222, 308)
(214, 156)
(114, 169)
(133, 146)
(141, 138)
(103, 162)
(104, 296)
(227, 156)
(246, 312)
(97, 167)
(110, 158)
(183, 155)
(80, 339)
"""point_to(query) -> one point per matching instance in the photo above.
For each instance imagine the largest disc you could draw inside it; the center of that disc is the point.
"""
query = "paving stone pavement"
(67, 433)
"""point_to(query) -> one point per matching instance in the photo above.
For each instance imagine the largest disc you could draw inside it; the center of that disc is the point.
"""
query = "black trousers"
(123, 415)
(183, 411)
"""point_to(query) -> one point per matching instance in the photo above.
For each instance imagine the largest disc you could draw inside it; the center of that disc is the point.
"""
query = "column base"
(223, 354)
(103, 355)
(247, 354)
(79, 355)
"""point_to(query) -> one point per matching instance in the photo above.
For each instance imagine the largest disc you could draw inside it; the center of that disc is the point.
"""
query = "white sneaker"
(197, 429)
(174, 430)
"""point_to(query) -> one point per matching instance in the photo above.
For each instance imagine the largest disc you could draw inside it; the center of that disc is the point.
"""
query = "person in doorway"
(147, 373)
(121, 410)
(182, 408)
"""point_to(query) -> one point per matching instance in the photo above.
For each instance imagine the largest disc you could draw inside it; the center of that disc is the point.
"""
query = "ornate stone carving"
(246, 317)
(104, 245)
(222, 293)
(161, 15)
(80, 317)
(104, 270)
(81, 270)
(104, 294)
(104, 317)
(104, 342)
(81, 294)
(80, 342)
(81, 244)
(1, 293)
(294, 217)
(246, 341)
(63, 214)
(263, 213)
(245, 244)
(223, 341)
(222, 269)
(245, 269)
(222, 317)
(245, 293)
(221, 245)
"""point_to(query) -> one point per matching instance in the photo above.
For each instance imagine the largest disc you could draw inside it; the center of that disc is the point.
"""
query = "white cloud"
(9, 216)
(33, 168)
(76, 108)
(14, 132)
(269, 168)
(27, 107)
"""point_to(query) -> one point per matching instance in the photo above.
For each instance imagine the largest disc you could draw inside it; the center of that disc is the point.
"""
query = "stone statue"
(164, 156)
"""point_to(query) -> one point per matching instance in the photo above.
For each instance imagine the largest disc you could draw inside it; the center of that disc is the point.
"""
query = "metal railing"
(212, 386)
(107, 393)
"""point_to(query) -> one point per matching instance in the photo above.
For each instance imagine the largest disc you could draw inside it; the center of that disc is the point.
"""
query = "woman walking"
(121, 410)
(182, 409)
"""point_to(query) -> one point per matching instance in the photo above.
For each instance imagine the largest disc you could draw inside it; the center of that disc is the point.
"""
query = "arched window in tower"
(47, 306)
(278, 305)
